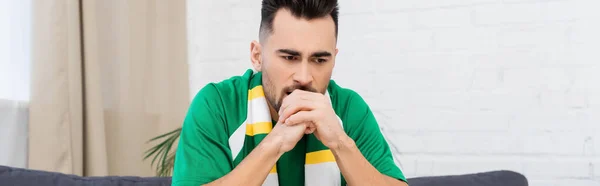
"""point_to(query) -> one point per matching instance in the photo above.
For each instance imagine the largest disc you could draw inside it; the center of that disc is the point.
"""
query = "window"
(15, 38)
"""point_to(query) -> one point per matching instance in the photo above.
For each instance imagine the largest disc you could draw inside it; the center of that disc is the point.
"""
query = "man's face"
(299, 54)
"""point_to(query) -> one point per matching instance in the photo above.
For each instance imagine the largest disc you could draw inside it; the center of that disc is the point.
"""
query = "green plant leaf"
(166, 169)
(166, 152)
(160, 146)
(163, 146)
(162, 154)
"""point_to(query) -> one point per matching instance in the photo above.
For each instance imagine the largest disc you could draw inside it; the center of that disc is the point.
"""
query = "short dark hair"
(307, 9)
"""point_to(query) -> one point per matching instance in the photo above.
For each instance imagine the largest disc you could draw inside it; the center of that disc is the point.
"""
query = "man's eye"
(321, 60)
(289, 58)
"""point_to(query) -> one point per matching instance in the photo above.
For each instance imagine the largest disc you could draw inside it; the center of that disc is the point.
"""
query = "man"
(287, 123)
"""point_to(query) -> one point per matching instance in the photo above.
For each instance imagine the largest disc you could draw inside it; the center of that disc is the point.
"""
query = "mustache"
(301, 87)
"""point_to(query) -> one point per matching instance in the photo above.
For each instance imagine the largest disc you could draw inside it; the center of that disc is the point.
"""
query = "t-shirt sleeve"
(364, 130)
(202, 154)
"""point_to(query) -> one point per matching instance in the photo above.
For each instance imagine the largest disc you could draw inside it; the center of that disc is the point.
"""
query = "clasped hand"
(313, 111)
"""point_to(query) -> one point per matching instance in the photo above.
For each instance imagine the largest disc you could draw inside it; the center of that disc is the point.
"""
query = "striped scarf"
(320, 166)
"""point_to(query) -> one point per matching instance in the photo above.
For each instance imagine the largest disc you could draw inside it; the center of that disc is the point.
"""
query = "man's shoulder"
(342, 94)
(226, 100)
(224, 96)
(345, 100)
(350, 107)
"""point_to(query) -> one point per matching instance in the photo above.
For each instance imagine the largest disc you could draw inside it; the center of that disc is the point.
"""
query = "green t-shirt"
(203, 153)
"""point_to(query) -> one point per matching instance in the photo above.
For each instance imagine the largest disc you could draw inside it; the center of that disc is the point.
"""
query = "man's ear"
(336, 51)
(255, 55)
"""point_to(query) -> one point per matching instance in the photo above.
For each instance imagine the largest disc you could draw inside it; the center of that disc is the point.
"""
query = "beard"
(271, 91)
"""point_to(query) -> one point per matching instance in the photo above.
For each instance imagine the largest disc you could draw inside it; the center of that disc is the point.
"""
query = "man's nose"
(303, 75)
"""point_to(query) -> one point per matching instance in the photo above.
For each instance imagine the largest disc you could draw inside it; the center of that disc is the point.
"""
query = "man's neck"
(274, 114)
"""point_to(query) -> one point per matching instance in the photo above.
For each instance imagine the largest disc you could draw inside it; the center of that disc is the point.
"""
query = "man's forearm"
(257, 164)
(356, 169)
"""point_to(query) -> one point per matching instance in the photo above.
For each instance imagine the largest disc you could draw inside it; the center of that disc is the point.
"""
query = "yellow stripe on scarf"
(274, 169)
(321, 156)
(256, 92)
(259, 128)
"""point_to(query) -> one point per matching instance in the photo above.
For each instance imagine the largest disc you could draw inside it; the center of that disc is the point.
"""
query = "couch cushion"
(494, 178)
(24, 177)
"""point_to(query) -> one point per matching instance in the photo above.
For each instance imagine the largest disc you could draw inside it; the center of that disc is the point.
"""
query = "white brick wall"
(459, 86)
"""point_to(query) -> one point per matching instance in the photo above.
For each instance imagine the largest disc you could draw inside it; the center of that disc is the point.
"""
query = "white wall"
(460, 86)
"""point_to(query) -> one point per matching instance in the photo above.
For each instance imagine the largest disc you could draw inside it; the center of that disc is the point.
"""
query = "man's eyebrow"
(321, 54)
(289, 52)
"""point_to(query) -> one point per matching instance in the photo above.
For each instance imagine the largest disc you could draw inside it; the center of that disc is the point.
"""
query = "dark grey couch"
(24, 177)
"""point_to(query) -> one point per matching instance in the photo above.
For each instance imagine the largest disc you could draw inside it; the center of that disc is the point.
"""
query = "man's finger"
(301, 117)
(296, 96)
(311, 129)
(296, 107)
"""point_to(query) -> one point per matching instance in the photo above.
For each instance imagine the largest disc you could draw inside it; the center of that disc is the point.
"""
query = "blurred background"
(457, 86)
